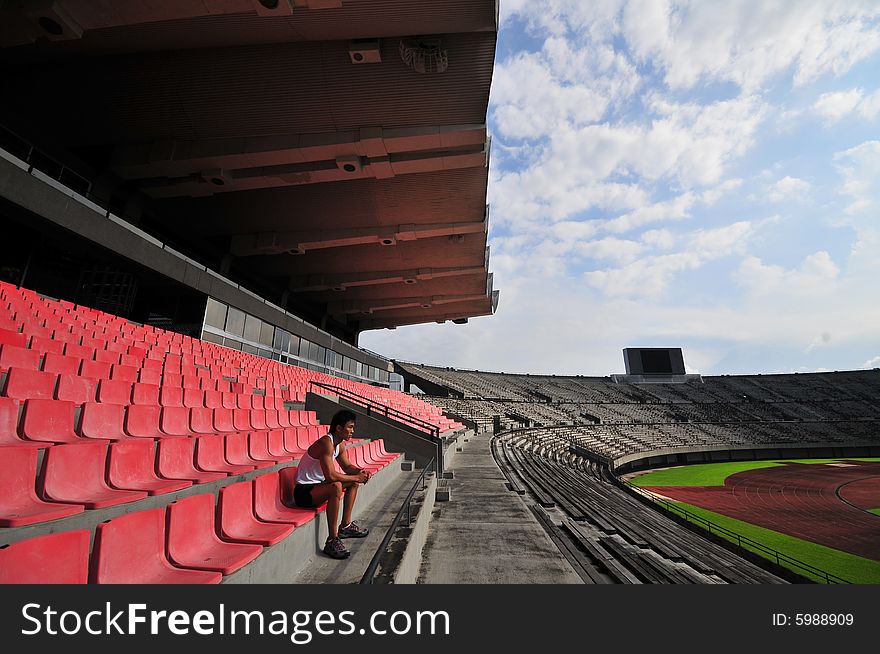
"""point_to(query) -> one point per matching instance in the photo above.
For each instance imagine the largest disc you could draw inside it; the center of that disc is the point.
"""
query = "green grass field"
(714, 474)
(853, 568)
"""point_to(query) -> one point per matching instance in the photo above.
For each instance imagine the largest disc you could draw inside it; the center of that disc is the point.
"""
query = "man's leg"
(351, 491)
(330, 492)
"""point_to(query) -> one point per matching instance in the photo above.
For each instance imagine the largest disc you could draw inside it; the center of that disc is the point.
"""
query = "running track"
(823, 503)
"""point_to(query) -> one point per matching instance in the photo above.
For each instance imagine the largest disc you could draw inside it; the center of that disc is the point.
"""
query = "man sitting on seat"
(318, 481)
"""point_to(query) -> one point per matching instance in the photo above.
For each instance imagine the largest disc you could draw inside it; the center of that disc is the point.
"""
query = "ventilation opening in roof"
(424, 55)
(269, 4)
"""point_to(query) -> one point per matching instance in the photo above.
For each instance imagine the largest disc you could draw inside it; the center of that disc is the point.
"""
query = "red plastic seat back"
(102, 421)
(143, 421)
(18, 357)
(61, 558)
(23, 384)
(48, 421)
(138, 537)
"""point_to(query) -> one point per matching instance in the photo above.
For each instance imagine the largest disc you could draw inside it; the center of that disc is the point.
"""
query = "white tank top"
(309, 470)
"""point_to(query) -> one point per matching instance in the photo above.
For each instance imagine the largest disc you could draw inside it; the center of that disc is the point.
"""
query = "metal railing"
(370, 572)
(381, 409)
(744, 542)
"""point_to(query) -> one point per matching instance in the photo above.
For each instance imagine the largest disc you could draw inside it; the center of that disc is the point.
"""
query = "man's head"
(342, 424)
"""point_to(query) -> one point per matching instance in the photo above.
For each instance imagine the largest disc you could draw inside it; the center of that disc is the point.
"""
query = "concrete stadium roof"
(334, 150)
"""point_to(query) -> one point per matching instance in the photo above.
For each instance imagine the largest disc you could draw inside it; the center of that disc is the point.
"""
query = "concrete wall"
(411, 562)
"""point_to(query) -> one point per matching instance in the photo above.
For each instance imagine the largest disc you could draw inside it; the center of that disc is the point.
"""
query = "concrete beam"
(341, 281)
(385, 304)
(220, 180)
(298, 242)
(184, 157)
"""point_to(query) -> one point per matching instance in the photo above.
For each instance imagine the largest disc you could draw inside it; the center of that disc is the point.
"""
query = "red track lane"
(825, 504)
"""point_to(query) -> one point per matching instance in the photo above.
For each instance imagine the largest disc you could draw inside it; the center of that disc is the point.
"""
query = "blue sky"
(697, 174)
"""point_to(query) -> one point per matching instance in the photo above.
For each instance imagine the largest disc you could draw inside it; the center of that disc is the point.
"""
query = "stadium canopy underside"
(329, 155)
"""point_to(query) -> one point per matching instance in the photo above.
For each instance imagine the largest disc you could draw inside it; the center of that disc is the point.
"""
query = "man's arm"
(330, 471)
(346, 464)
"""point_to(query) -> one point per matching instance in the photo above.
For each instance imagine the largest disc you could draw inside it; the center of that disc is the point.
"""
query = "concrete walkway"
(378, 516)
(486, 534)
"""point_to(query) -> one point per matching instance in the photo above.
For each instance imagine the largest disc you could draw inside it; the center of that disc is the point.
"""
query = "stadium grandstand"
(204, 204)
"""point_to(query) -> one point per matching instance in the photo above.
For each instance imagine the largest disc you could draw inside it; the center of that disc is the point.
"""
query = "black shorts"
(302, 496)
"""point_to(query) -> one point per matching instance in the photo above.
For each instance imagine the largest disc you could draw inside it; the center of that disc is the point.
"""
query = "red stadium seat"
(139, 537)
(23, 384)
(193, 398)
(284, 418)
(291, 445)
(46, 345)
(102, 421)
(12, 337)
(201, 421)
(211, 456)
(114, 392)
(213, 399)
(60, 364)
(276, 444)
(143, 421)
(145, 394)
(271, 417)
(76, 389)
(61, 558)
(238, 522)
(79, 351)
(223, 422)
(95, 369)
(171, 396)
(268, 506)
(176, 460)
(258, 448)
(124, 373)
(18, 357)
(241, 419)
(104, 356)
(48, 421)
(258, 420)
(174, 421)
(19, 504)
(131, 467)
(229, 400)
(9, 425)
(193, 542)
(75, 474)
(237, 452)
(147, 376)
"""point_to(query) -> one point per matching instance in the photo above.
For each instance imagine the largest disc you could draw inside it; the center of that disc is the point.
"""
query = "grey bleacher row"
(835, 386)
(839, 407)
(614, 441)
(608, 535)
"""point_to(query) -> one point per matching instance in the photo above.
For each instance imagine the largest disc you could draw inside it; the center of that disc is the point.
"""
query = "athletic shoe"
(335, 549)
(353, 530)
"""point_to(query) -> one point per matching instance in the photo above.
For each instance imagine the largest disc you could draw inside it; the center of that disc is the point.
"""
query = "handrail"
(387, 411)
(370, 572)
(741, 541)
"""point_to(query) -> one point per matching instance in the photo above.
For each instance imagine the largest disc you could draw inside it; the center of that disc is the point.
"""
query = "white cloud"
(816, 274)
(651, 275)
(746, 42)
(836, 105)
(786, 188)
(860, 168)
(872, 363)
